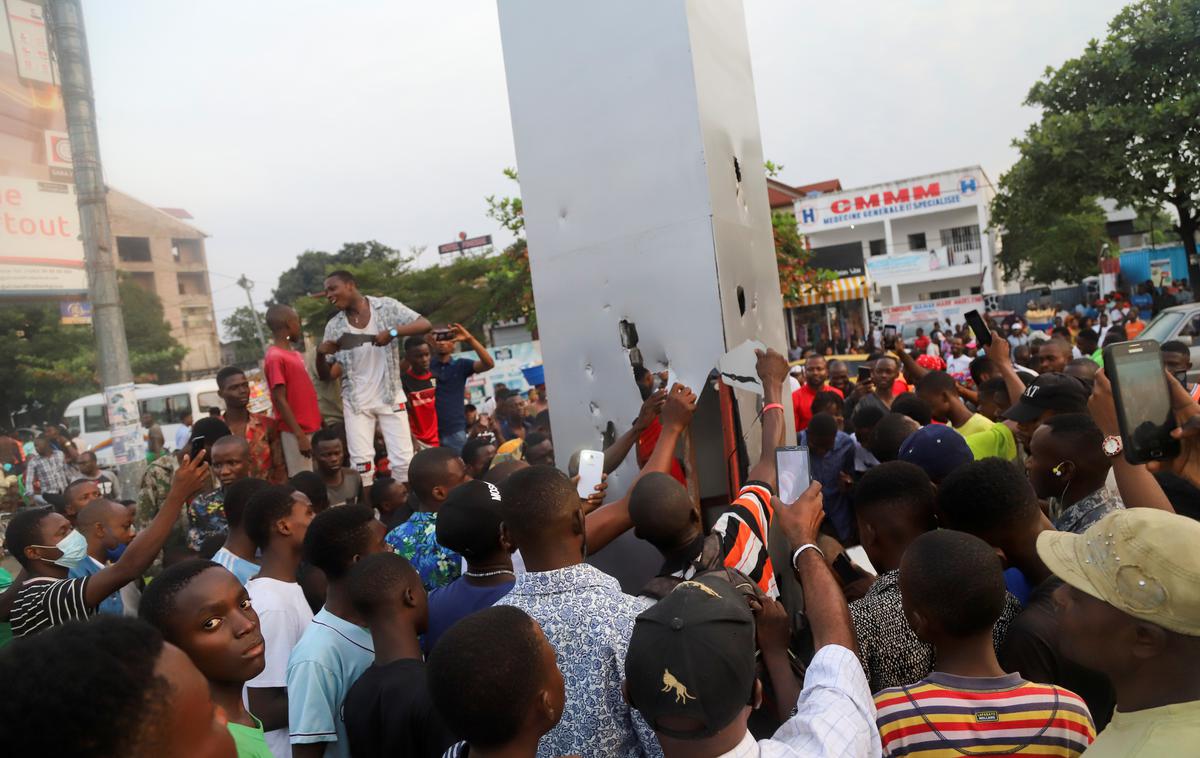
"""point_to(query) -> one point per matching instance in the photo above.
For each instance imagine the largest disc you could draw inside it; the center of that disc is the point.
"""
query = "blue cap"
(937, 449)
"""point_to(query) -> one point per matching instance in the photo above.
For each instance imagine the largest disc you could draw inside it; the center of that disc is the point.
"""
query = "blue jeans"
(454, 441)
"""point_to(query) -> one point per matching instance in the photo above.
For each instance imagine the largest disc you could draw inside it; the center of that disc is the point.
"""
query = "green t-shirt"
(6, 580)
(249, 740)
(994, 442)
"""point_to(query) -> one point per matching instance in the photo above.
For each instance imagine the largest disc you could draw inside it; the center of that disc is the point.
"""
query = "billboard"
(947, 310)
(907, 197)
(40, 250)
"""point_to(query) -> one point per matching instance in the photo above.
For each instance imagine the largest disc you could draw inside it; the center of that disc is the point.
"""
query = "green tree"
(50, 364)
(797, 275)
(509, 281)
(1122, 121)
(308, 275)
(243, 336)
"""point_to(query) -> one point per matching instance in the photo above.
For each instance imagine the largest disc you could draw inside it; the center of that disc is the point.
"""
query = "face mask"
(73, 548)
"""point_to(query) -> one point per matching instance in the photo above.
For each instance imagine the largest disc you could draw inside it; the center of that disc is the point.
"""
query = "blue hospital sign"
(966, 185)
(808, 215)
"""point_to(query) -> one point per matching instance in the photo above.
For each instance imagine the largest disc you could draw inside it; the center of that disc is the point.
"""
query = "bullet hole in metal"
(737, 169)
(741, 298)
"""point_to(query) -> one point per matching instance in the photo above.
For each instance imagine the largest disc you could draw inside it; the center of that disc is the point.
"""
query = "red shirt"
(422, 410)
(802, 400)
(286, 367)
(645, 446)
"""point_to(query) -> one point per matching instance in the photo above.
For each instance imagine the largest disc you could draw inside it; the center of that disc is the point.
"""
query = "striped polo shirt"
(947, 715)
(743, 529)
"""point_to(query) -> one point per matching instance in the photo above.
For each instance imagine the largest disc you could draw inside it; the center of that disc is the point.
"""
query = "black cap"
(469, 521)
(692, 655)
(1050, 392)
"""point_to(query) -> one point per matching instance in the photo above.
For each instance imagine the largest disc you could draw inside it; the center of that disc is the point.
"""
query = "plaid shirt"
(266, 454)
(50, 474)
(388, 314)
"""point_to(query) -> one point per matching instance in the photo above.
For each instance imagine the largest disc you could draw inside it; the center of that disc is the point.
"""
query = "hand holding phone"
(591, 471)
(1143, 400)
(197, 447)
(983, 335)
(791, 472)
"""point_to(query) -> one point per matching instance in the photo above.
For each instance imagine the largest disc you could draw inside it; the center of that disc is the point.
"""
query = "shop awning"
(846, 288)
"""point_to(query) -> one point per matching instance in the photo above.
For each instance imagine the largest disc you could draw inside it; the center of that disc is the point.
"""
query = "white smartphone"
(591, 470)
(791, 472)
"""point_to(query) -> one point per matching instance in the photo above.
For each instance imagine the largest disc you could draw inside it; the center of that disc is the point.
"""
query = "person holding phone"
(816, 372)
(360, 346)
(451, 374)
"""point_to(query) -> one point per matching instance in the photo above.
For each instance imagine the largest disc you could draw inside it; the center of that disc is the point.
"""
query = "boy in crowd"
(940, 392)
(434, 474)
(1068, 469)
(664, 514)
(1137, 620)
(452, 374)
(690, 670)
(89, 468)
(313, 487)
(993, 500)
(72, 500)
(343, 483)
(276, 520)
(830, 461)
(259, 430)
(46, 472)
(238, 552)
(292, 392)
(391, 501)
(206, 514)
(154, 703)
(388, 710)
(360, 347)
(107, 526)
(831, 403)
(204, 610)
(47, 548)
(816, 372)
(469, 524)
(495, 680)
(952, 589)
(335, 648)
(156, 483)
(478, 453)
(418, 388)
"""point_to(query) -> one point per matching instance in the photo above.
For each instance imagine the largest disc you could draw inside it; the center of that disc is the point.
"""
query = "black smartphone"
(844, 569)
(983, 335)
(791, 472)
(350, 340)
(1143, 400)
(443, 335)
(889, 333)
(864, 373)
(197, 447)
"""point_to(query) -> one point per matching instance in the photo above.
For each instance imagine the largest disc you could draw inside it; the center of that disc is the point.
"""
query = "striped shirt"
(743, 529)
(947, 715)
(44, 602)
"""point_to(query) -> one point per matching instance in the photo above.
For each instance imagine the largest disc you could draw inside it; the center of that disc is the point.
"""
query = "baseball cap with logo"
(469, 521)
(1050, 392)
(1141, 561)
(936, 449)
(692, 656)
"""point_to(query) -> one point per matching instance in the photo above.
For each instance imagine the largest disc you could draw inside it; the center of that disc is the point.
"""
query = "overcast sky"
(286, 125)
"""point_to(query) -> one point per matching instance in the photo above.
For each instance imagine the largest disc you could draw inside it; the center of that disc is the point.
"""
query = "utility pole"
(248, 285)
(65, 25)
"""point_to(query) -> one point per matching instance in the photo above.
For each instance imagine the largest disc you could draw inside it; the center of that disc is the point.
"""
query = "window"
(943, 293)
(963, 244)
(166, 410)
(144, 279)
(208, 400)
(192, 283)
(133, 249)
(916, 241)
(187, 251)
(878, 247)
(95, 418)
(196, 318)
(977, 290)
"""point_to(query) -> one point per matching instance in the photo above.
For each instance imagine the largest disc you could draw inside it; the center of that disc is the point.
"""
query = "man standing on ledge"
(360, 346)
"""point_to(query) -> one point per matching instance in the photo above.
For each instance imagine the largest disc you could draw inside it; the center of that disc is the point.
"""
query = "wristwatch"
(394, 333)
(1112, 445)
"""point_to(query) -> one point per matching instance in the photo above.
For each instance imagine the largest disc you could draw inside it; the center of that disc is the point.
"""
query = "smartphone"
(792, 472)
(1143, 400)
(983, 335)
(591, 470)
(350, 340)
(197, 447)
(864, 373)
(443, 335)
(889, 334)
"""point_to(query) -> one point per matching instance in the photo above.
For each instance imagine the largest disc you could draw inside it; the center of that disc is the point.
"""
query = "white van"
(87, 417)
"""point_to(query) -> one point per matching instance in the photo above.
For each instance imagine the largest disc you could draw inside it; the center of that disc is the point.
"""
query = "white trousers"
(360, 438)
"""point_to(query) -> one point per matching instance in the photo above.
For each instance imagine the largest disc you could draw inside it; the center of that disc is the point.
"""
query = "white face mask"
(73, 548)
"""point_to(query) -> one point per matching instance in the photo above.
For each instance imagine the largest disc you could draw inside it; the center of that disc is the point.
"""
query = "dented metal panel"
(645, 200)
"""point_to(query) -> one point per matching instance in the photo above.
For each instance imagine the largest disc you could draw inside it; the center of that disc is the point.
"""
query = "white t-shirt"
(370, 382)
(960, 365)
(283, 615)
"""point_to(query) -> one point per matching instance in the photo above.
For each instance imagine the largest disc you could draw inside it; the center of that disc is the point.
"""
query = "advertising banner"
(894, 200)
(40, 251)
(884, 267)
(124, 420)
(947, 310)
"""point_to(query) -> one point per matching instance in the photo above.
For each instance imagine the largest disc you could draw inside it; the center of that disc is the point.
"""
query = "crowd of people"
(972, 569)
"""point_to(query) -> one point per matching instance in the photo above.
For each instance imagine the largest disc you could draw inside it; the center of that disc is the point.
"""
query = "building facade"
(164, 254)
(912, 240)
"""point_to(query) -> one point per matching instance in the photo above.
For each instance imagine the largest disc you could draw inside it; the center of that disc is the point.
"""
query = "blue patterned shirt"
(206, 518)
(388, 314)
(416, 540)
(588, 621)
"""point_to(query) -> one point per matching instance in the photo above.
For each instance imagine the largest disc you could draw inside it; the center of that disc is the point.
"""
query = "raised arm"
(1001, 354)
(772, 369)
(485, 362)
(608, 522)
(615, 453)
(189, 479)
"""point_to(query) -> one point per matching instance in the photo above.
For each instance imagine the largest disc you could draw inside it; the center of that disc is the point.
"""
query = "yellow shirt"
(996, 441)
(1165, 731)
(977, 423)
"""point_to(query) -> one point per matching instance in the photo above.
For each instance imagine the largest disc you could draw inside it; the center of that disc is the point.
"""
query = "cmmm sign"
(897, 199)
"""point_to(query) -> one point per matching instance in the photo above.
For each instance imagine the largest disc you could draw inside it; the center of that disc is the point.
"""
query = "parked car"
(1179, 322)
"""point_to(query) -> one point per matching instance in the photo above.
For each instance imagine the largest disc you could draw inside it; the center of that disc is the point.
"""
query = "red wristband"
(769, 406)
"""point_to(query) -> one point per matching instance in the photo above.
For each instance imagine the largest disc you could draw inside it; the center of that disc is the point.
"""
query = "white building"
(918, 239)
